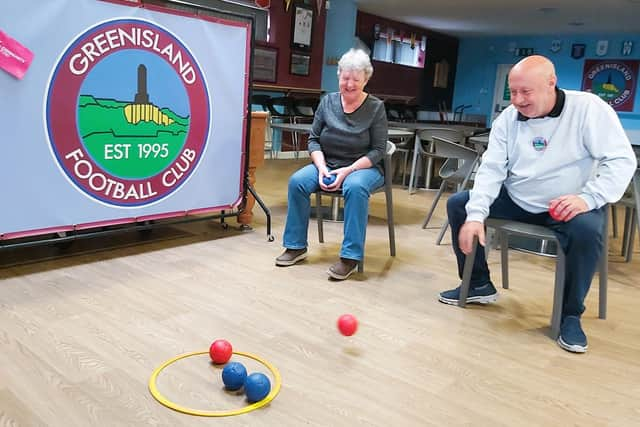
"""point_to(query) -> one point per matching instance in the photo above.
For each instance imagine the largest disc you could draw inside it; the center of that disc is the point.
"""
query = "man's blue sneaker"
(572, 338)
(484, 294)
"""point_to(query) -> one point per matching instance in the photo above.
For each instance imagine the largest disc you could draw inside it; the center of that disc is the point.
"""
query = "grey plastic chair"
(425, 149)
(631, 204)
(386, 187)
(305, 109)
(457, 169)
(504, 229)
(282, 110)
(404, 148)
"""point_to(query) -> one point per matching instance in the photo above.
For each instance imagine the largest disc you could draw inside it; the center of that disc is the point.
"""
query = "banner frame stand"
(67, 237)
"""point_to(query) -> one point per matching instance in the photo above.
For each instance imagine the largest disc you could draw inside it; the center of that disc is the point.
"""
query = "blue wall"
(478, 59)
(339, 35)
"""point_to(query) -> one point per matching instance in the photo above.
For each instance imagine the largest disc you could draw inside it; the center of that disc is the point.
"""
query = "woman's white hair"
(355, 60)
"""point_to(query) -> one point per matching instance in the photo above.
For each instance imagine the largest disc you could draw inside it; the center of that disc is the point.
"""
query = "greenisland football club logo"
(539, 143)
(127, 112)
(614, 81)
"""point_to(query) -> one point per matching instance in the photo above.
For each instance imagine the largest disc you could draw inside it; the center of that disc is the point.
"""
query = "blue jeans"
(356, 187)
(580, 239)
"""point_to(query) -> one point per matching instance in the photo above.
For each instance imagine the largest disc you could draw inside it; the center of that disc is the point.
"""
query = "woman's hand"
(340, 174)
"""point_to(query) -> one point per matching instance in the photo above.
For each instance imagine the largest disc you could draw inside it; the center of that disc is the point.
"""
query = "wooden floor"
(82, 331)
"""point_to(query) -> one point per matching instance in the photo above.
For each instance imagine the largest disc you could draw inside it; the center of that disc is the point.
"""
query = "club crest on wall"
(613, 80)
(577, 50)
(556, 46)
(602, 47)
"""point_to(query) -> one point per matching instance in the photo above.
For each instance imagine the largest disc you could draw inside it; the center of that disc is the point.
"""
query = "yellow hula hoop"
(153, 388)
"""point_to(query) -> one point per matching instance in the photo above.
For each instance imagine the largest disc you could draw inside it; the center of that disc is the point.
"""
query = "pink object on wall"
(14, 57)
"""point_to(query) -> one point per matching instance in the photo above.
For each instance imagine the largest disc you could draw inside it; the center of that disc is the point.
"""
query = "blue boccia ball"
(234, 375)
(328, 180)
(256, 387)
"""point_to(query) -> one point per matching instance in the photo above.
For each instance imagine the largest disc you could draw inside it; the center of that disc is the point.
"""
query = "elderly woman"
(347, 141)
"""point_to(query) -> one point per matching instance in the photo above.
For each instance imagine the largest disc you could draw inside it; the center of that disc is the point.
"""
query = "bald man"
(550, 149)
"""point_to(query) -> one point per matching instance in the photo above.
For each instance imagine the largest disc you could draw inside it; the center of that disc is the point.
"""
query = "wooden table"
(306, 128)
(416, 126)
(287, 90)
(479, 142)
(256, 158)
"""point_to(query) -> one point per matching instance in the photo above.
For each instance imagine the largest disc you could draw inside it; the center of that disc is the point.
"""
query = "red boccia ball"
(553, 214)
(347, 324)
(220, 351)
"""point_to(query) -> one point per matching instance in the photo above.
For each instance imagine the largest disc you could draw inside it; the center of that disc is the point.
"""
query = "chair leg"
(404, 167)
(631, 239)
(442, 232)
(504, 257)
(429, 170)
(296, 145)
(614, 220)
(488, 238)
(603, 277)
(625, 231)
(390, 221)
(414, 165)
(558, 295)
(361, 266)
(319, 217)
(466, 274)
(433, 205)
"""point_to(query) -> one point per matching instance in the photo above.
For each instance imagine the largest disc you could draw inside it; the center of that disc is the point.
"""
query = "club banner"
(613, 80)
(125, 113)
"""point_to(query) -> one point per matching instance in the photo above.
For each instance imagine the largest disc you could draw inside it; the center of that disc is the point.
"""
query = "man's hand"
(565, 208)
(467, 232)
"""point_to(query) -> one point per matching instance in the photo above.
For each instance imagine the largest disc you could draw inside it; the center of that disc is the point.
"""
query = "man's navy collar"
(555, 111)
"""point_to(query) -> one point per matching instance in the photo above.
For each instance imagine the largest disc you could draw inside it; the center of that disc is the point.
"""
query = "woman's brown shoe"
(291, 256)
(343, 268)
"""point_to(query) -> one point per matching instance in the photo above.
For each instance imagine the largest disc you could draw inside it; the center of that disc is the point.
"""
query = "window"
(399, 50)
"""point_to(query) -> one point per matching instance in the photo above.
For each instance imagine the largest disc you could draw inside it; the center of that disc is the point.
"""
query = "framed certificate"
(265, 64)
(300, 64)
(302, 27)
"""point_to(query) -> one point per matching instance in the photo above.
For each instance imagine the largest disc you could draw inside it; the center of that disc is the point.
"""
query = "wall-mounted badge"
(556, 45)
(602, 47)
(627, 47)
(613, 80)
(539, 143)
(577, 50)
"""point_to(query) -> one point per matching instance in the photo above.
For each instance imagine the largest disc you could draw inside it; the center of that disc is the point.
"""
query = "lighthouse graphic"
(142, 97)
(142, 110)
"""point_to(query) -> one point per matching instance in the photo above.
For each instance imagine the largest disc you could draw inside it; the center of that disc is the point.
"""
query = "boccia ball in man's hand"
(554, 211)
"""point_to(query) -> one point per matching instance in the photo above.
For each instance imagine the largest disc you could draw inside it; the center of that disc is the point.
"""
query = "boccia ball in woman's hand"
(328, 180)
